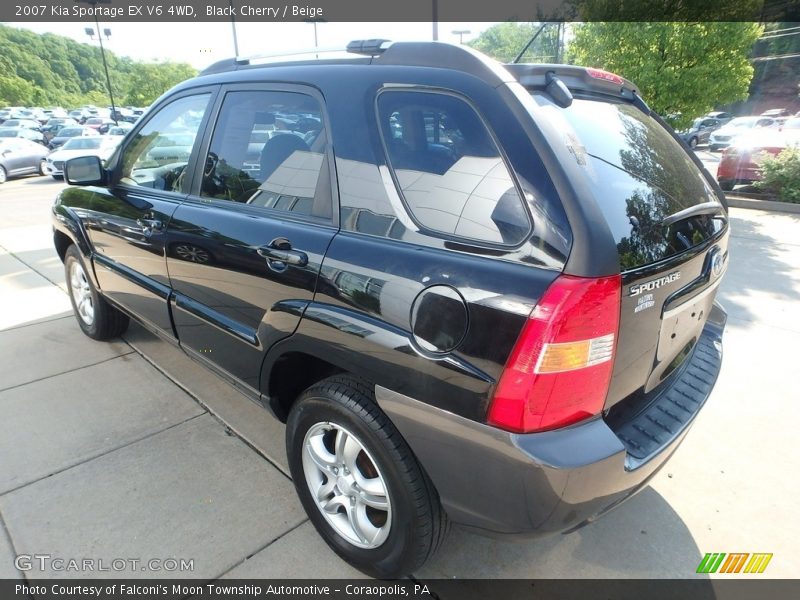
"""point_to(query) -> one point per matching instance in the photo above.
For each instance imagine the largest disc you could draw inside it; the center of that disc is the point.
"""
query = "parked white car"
(101, 146)
(725, 136)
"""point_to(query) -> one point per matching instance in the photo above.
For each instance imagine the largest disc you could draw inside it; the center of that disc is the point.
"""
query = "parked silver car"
(19, 156)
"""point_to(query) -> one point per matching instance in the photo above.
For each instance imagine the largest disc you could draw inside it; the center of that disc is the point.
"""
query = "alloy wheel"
(81, 293)
(349, 489)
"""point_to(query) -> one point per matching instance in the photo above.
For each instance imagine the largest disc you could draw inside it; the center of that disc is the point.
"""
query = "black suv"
(474, 292)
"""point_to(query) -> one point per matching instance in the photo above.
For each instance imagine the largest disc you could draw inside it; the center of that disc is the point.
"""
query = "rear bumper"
(536, 484)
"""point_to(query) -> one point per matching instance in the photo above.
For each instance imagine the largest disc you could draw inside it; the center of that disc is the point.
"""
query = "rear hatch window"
(640, 176)
(670, 230)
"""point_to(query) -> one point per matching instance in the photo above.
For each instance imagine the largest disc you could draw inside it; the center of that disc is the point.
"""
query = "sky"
(201, 44)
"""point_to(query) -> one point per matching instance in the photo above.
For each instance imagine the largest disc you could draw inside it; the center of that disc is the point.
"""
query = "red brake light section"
(600, 74)
(559, 370)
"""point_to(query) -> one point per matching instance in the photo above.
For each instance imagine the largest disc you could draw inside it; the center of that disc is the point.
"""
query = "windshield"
(7, 133)
(69, 132)
(696, 123)
(639, 175)
(82, 143)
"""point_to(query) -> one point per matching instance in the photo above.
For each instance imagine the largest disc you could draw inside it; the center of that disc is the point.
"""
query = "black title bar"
(393, 11)
(697, 588)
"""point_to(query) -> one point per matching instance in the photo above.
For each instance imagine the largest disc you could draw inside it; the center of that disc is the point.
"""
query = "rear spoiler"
(584, 79)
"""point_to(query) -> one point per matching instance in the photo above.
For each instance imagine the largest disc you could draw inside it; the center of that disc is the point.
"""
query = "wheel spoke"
(332, 505)
(378, 502)
(317, 451)
(326, 489)
(362, 527)
(373, 485)
(347, 449)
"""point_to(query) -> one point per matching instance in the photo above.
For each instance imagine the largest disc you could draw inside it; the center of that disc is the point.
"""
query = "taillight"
(560, 368)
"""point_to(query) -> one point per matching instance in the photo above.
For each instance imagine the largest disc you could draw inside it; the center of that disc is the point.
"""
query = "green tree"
(505, 40)
(54, 70)
(15, 91)
(686, 68)
(148, 81)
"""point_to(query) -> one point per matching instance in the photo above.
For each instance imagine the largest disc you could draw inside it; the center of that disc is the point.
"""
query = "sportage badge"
(655, 283)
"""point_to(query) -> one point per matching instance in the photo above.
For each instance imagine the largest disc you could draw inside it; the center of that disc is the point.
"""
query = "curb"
(735, 201)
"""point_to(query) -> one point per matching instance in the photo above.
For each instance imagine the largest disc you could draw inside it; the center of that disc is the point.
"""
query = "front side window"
(268, 150)
(448, 168)
(157, 155)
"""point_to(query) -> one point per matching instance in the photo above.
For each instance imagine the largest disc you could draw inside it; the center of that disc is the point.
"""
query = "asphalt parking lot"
(130, 450)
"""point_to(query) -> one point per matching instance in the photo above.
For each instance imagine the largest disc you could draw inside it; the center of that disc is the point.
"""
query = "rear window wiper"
(705, 208)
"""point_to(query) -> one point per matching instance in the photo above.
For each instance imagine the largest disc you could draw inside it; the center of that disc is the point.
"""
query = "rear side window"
(448, 168)
(640, 176)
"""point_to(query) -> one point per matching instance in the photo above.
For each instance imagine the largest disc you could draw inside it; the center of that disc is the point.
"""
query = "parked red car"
(741, 162)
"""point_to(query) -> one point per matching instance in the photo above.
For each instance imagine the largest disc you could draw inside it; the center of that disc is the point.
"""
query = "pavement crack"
(4, 530)
(261, 549)
(39, 322)
(211, 412)
(46, 377)
(102, 454)
(32, 268)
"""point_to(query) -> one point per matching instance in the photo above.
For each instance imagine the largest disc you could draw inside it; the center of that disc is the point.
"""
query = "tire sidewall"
(389, 557)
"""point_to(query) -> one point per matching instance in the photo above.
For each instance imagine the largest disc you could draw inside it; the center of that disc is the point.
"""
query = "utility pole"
(435, 20)
(94, 4)
(233, 28)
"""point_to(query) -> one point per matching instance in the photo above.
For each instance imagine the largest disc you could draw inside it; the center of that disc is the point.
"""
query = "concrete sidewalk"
(131, 450)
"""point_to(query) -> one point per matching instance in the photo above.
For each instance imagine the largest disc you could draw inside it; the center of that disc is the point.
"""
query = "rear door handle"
(280, 250)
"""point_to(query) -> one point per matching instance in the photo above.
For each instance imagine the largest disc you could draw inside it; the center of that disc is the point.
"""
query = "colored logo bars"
(716, 562)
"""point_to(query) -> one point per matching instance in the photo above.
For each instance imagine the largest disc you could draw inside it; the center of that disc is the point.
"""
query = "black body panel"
(361, 319)
(230, 307)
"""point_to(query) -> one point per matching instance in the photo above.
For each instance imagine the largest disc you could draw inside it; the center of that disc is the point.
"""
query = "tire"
(43, 167)
(401, 528)
(726, 184)
(96, 317)
(693, 143)
(3, 175)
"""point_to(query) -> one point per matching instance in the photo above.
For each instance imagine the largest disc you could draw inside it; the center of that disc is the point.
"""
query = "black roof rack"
(368, 47)
(382, 52)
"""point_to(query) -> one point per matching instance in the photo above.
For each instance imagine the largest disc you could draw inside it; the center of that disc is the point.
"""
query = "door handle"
(150, 224)
(280, 250)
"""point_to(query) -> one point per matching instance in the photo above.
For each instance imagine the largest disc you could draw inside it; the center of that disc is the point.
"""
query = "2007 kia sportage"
(474, 292)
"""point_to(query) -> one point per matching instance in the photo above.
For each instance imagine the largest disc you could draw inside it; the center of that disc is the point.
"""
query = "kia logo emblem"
(717, 264)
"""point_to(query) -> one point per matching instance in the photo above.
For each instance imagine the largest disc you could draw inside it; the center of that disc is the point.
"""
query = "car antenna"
(528, 45)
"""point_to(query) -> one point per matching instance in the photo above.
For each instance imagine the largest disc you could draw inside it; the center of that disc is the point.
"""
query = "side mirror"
(84, 170)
